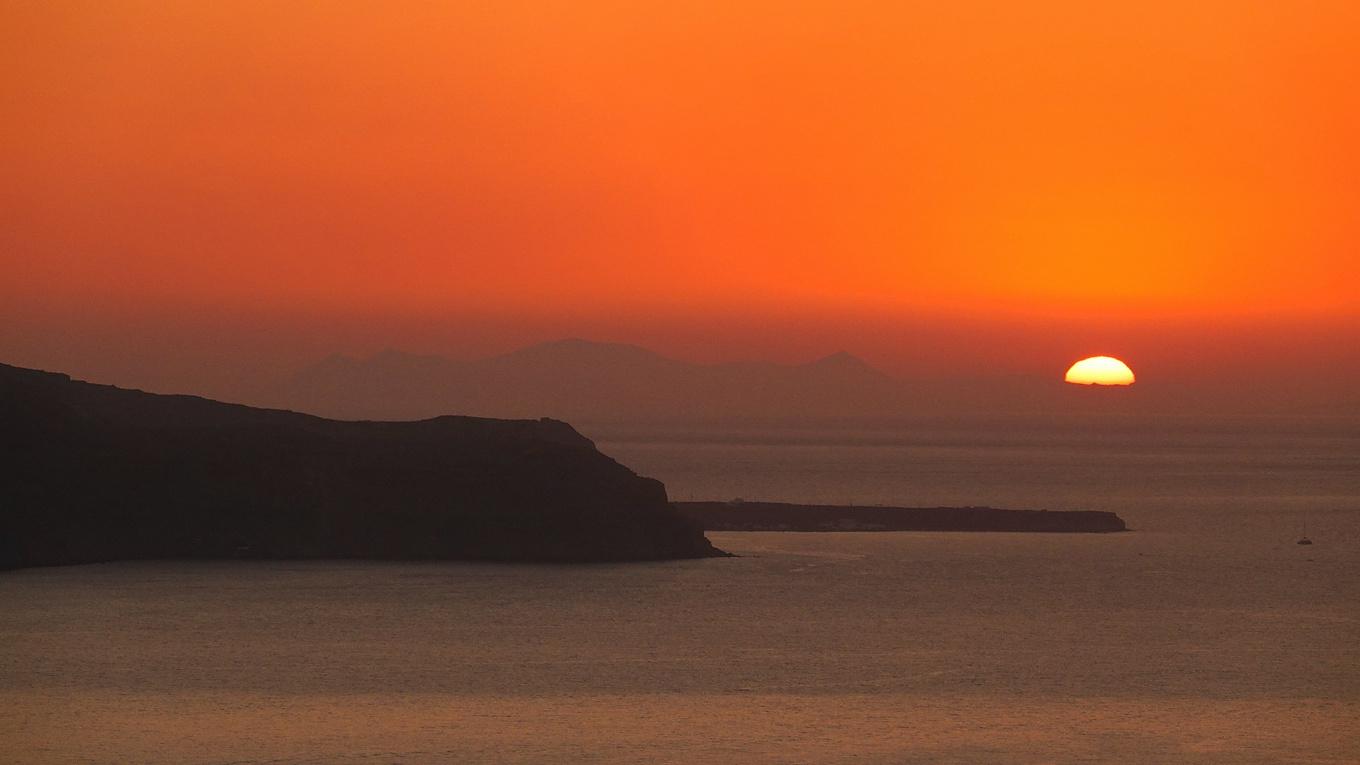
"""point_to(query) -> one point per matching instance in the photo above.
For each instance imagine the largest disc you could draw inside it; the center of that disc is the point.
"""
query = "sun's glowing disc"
(1100, 370)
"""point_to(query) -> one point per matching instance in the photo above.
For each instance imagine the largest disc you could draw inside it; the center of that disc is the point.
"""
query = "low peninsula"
(93, 473)
(777, 516)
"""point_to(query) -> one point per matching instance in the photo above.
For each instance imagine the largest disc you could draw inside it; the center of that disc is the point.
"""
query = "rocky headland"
(92, 473)
(777, 516)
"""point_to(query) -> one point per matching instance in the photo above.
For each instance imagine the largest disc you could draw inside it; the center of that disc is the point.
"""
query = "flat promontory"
(92, 473)
(778, 516)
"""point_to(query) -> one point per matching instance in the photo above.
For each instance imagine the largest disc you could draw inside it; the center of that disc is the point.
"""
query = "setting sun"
(1100, 370)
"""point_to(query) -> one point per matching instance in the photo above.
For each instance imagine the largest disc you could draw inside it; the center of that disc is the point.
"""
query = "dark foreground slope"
(777, 516)
(95, 473)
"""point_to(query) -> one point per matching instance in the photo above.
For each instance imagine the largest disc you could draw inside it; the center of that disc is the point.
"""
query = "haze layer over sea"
(1207, 635)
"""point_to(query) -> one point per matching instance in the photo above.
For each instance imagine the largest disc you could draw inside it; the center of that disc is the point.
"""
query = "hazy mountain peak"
(842, 361)
(587, 351)
(578, 379)
(389, 356)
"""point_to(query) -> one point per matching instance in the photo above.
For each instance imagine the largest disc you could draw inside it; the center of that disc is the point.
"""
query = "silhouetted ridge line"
(96, 473)
(584, 381)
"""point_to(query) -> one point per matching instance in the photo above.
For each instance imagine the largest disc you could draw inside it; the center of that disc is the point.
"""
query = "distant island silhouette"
(584, 381)
(581, 380)
(779, 516)
(92, 473)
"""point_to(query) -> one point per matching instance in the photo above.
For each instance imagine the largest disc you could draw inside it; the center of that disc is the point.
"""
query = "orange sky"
(1134, 161)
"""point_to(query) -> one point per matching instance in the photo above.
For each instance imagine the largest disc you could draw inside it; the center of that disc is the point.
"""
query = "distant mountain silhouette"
(586, 381)
(95, 473)
(577, 379)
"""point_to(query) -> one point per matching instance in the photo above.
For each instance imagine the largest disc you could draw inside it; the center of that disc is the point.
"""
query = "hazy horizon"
(1307, 363)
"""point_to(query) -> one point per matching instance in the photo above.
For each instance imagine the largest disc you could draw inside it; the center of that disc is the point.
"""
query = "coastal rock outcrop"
(779, 516)
(94, 473)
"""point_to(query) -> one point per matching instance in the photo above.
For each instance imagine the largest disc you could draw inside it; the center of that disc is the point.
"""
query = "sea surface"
(1206, 635)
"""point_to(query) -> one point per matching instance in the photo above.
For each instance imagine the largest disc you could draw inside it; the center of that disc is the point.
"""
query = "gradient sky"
(708, 177)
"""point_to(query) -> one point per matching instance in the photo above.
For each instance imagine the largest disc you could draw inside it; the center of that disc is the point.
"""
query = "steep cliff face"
(95, 473)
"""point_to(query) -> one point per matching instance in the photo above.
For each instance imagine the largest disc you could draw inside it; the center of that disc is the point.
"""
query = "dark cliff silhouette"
(778, 516)
(96, 473)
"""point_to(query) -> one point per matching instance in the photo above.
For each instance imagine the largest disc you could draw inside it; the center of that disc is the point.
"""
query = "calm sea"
(1207, 635)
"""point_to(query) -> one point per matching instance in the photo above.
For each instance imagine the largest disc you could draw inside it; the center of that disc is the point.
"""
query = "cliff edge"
(93, 473)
